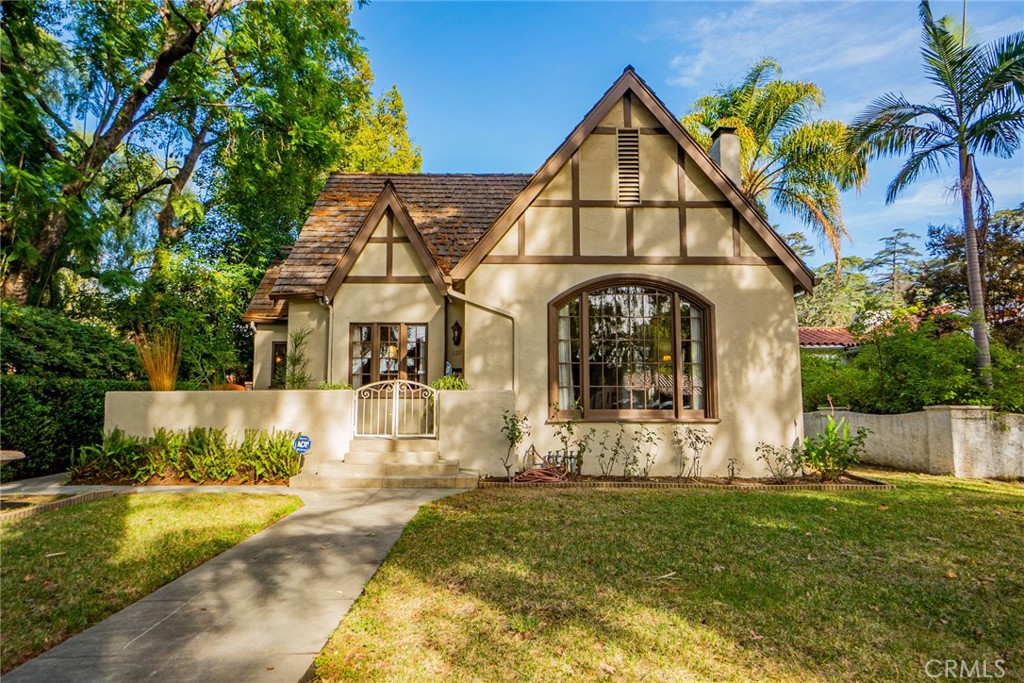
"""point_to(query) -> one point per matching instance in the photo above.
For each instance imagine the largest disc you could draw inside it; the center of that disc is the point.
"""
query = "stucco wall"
(388, 303)
(965, 441)
(325, 416)
(310, 315)
(470, 428)
(263, 352)
(758, 361)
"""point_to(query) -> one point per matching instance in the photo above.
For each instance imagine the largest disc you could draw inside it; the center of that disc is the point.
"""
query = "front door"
(388, 351)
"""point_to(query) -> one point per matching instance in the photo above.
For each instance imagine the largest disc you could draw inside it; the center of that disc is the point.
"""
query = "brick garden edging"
(63, 503)
(868, 485)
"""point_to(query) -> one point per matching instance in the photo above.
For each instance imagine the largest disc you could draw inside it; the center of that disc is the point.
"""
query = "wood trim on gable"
(632, 89)
(388, 205)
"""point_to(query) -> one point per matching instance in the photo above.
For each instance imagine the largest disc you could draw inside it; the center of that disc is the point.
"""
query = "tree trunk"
(975, 290)
(167, 232)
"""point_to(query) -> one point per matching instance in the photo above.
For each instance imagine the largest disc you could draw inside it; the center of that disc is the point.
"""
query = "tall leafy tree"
(253, 95)
(896, 266)
(837, 299)
(979, 110)
(1002, 265)
(787, 157)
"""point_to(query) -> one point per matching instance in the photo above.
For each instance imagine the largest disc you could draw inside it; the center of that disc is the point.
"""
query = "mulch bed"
(808, 482)
(170, 481)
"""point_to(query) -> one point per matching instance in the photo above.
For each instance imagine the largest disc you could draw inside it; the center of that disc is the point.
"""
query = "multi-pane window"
(388, 351)
(630, 350)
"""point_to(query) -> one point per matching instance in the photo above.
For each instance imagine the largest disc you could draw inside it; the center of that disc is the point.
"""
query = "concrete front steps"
(388, 463)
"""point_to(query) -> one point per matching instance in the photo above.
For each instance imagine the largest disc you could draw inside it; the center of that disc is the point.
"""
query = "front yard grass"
(696, 585)
(65, 570)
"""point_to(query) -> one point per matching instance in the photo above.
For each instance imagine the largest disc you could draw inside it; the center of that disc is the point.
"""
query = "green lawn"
(695, 585)
(66, 570)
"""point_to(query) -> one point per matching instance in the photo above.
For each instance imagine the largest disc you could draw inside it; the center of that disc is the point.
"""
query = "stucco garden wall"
(469, 428)
(325, 416)
(965, 441)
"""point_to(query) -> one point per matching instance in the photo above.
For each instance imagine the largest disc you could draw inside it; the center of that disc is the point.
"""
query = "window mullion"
(677, 353)
(403, 351)
(584, 355)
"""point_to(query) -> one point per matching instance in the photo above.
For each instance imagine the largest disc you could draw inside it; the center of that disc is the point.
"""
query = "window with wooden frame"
(388, 351)
(632, 348)
(278, 360)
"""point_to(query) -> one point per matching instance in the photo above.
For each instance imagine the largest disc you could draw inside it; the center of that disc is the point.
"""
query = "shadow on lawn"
(717, 586)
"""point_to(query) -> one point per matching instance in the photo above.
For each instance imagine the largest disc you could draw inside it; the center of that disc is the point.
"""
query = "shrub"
(160, 353)
(38, 342)
(515, 427)
(834, 450)
(49, 419)
(334, 386)
(199, 454)
(784, 463)
(294, 373)
(450, 383)
(690, 443)
(903, 366)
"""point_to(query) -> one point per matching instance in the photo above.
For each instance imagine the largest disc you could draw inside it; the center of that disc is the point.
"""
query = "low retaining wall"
(965, 441)
(469, 425)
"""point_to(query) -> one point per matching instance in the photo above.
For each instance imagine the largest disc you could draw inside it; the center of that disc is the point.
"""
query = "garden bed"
(810, 482)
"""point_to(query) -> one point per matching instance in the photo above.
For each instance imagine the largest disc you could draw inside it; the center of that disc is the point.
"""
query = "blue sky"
(496, 86)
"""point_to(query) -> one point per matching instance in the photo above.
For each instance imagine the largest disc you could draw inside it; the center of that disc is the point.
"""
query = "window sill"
(638, 420)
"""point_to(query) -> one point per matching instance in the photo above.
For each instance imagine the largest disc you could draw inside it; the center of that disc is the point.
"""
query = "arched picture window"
(632, 348)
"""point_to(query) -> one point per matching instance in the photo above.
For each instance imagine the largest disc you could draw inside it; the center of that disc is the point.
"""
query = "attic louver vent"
(629, 166)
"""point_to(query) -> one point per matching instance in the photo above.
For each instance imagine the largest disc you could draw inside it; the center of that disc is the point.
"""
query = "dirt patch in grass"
(695, 585)
(10, 502)
(68, 569)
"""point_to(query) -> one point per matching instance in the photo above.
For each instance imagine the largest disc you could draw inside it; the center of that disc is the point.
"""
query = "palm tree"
(978, 111)
(798, 162)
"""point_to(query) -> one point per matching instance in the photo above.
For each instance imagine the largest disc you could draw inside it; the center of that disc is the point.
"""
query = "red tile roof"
(812, 337)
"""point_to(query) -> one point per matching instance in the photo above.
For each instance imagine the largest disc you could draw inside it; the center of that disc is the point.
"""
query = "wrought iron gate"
(395, 409)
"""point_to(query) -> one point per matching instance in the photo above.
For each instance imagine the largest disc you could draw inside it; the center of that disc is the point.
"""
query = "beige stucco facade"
(689, 230)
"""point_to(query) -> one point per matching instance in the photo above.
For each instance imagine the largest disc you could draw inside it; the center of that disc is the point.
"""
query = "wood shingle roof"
(450, 211)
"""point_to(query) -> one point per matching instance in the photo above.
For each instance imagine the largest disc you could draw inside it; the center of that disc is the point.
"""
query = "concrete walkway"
(260, 611)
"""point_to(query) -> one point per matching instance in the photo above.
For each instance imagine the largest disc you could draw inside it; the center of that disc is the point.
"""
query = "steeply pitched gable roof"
(631, 84)
(262, 308)
(450, 213)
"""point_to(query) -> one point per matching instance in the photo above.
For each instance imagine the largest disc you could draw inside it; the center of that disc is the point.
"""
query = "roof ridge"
(429, 175)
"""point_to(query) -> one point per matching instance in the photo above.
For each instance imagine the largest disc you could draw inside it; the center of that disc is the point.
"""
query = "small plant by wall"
(334, 386)
(690, 443)
(833, 451)
(199, 455)
(784, 463)
(295, 373)
(450, 383)
(515, 427)
(160, 353)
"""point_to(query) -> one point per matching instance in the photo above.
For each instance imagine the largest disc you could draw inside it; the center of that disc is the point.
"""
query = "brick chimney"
(725, 151)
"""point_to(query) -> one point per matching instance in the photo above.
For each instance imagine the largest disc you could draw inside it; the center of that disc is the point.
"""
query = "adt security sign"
(302, 444)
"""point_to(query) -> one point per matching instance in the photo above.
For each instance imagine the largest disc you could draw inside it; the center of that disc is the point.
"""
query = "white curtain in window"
(565, 399)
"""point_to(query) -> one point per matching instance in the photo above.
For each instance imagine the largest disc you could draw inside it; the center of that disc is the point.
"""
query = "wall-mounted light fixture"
(456, 333)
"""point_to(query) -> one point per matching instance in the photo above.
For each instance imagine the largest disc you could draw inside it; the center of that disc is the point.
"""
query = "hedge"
(38, 342)
(48, 419)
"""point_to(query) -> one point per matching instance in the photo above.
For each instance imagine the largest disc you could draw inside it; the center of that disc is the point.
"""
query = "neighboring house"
(628, 278)
(832, 340)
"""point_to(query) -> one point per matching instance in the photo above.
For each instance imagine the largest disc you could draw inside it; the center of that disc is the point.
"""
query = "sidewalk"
(260, 611)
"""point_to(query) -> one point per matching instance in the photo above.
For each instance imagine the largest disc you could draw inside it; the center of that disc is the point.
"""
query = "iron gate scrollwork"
(396, 409)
